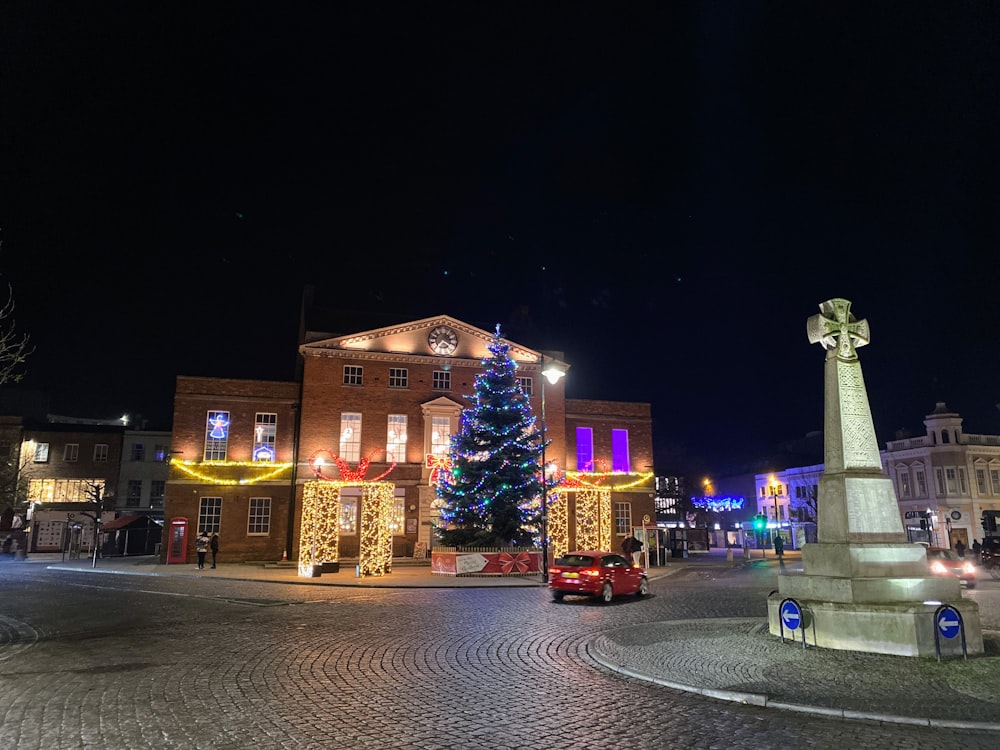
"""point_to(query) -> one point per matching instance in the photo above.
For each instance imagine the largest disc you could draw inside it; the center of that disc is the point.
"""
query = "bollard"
(729, 555)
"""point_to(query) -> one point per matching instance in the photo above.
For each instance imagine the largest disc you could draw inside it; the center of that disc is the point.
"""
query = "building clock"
(442, 340)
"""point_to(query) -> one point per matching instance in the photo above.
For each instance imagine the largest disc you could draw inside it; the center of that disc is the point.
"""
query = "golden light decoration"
(319, 536)
(559, 523)
(221, 472)
(375, 553)
(629, 480)
(593, 518)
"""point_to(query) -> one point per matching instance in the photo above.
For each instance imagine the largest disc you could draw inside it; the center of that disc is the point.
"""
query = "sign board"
(791, 614)
(420, 550)
(948, 622)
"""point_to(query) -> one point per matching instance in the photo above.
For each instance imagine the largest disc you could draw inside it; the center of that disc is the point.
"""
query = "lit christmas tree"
(490, 496)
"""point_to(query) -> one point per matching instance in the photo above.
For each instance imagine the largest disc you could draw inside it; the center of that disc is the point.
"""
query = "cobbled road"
(119, 661)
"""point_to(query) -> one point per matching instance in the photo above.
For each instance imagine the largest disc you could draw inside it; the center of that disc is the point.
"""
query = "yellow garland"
(587, 479)
(265, 470)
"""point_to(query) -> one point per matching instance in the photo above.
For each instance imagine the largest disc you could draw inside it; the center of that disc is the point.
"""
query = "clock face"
(442, 340)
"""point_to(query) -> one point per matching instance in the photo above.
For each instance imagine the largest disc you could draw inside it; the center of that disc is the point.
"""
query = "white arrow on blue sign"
(948, 622)
(791, 615)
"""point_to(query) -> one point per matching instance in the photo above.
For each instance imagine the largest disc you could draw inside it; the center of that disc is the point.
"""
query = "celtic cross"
(836, 328)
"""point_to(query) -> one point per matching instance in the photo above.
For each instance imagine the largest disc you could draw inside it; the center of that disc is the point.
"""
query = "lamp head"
(553, 374)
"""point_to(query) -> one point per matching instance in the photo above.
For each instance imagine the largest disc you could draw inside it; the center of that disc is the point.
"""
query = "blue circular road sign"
(948, 622)
(791, 614)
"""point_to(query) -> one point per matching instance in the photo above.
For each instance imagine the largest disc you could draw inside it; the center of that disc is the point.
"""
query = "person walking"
(977, 549)
(215, 548)
(201, 545)
(960, 548)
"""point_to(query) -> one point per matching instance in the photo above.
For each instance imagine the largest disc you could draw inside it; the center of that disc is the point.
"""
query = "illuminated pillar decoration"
(593, 525)
(606, 524)
(319, 534)
(375, 552)
(559, 522)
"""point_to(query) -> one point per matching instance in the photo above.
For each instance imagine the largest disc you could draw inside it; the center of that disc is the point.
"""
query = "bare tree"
(14, 347)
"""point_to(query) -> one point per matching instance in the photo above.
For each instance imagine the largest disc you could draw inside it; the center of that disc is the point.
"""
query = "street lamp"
(553, 374)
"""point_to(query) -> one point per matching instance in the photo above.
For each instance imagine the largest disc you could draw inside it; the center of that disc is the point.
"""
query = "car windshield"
(575, 561)
(943, 554)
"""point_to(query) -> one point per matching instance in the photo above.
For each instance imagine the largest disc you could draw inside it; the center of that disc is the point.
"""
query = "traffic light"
(759, 522)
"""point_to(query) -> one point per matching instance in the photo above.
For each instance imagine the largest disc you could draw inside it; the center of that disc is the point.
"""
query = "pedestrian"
(215, 548)
(977, 548)
(632, 548)
(960, 548)
(201, 545)
(779, 545)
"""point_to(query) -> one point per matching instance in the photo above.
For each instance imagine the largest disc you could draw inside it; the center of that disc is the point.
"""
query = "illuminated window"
(64, 490)
(395, 444)
(264, 431)
(619, 450)
(216, 435)
(584, 449)
(352, 375)
(440, 436)
(41, 453)
(209, 515)
(623, 518)
(526, 385)
(441, 380)
(134, 493)
(350, 436)
(100, 453)
(259, 522)
(399, 377)
(904, 482)
(398, 521)
(157, 489)
(160, 452)
(72, 452)
(348, 514)
(138, 452)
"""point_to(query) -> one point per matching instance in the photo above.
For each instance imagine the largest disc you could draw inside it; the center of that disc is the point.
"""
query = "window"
(440, 436)
(100, 453)
(209, 515)
(138, 452)
(981, 481)
(395, 443)
(921, 482)
(398, 377)
(584, 449)
(619, 450)
(939, 476)
(397, 523)
(945, 439)
(72, 452)
(348, 514)
(350, 436)
(441, 381)
(160, 452)
(264, 431)
(623, 518)
(157, 489)
(41, 453)
(64, 490)
(904, 482)
(134, 493)
(216, 436)
(995, 480)
(259, 522)
(527, 386)
(949, 474)
(352, 375)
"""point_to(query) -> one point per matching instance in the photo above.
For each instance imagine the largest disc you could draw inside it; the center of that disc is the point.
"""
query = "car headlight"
(938, 568)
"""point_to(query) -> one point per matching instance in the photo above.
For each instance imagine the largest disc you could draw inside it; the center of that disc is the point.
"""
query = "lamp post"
(553, 374)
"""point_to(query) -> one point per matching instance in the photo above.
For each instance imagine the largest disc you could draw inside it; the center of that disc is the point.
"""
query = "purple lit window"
(619, 450)
(584, 449)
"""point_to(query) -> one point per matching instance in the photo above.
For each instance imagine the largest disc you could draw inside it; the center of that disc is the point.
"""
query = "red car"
(594, 573)
(946, 562)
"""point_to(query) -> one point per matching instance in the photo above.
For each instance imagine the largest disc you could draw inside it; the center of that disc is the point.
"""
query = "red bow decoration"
(568, 481)
(436, 463)
(508, 562)
(347, 474)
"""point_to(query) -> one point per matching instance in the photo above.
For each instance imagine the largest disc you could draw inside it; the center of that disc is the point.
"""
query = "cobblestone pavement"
(193, 661)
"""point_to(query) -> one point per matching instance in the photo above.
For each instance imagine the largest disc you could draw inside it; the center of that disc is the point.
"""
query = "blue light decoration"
(219, 424)
(263, 453)
(718, 504)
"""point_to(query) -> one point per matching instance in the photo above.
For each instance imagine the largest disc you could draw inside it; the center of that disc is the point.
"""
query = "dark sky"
(663, 191)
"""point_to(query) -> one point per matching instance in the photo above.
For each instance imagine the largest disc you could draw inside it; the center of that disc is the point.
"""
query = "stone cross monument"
(862, 586)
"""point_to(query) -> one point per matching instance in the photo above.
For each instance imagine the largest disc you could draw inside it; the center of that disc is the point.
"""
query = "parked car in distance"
(604, 575)
(945, 562)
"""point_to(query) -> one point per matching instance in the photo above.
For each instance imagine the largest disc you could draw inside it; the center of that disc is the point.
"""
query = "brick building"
(390, 398)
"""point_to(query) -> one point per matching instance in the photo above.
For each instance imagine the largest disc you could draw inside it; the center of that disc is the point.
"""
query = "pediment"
(411, 339)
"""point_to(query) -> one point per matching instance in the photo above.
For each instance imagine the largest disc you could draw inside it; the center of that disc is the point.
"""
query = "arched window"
(944, 437)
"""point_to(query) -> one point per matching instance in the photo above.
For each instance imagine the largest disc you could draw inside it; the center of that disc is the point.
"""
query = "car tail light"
(591, 572)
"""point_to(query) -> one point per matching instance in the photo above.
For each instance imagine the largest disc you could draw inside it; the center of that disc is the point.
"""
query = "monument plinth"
(863, 587)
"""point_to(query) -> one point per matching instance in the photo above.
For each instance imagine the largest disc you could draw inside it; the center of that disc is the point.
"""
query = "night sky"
(663, 191)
